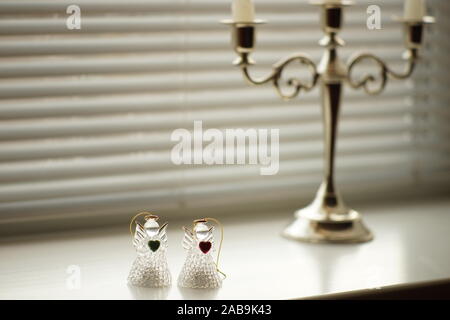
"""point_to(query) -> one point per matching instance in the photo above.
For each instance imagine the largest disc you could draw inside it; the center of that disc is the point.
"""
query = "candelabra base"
(328, 219)
(307, 230)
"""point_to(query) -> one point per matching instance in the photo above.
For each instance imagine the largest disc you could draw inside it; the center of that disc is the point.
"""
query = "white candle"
(414, 9)
(243, 10)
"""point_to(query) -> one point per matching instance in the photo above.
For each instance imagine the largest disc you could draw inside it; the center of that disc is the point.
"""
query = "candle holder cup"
(327, 218)
(243, 39)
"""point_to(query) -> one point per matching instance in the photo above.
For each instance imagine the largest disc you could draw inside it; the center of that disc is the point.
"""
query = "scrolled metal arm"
(276, 76)
(384, 73)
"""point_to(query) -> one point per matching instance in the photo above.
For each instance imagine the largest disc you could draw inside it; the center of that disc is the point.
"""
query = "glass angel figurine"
(150, 267)
(199, 269)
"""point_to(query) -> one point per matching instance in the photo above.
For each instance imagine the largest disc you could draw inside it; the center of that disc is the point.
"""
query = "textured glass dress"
(150, 267)
(199, 269)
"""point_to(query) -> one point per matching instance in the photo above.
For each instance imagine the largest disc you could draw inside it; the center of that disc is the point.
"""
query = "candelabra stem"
(327, 218)
(331, 100)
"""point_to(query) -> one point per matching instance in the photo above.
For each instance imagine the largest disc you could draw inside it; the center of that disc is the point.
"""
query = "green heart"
(154, 245)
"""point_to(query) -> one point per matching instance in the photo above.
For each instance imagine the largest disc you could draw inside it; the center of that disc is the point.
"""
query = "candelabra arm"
(384, 73)
(413, 34)
(243, 39)
(260, 80)
(276, 76)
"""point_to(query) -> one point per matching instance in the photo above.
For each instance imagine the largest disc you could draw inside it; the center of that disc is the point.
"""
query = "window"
(86, 115)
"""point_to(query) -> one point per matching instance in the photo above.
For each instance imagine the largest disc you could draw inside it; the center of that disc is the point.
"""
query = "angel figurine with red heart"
(199, 270)
(150, 267)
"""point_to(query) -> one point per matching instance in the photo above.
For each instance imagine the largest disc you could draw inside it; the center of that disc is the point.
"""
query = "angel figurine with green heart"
(150, 267)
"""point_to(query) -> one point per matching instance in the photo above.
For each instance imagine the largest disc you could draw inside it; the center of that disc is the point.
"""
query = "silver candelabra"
(328, 218)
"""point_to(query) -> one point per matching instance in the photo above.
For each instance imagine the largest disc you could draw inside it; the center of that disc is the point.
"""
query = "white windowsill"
(411, 245)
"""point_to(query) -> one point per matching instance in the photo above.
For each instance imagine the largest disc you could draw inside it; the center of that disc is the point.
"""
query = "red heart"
(205, 246)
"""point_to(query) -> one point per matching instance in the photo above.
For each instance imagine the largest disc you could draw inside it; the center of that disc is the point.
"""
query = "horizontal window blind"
(87, 115)
(432, 102)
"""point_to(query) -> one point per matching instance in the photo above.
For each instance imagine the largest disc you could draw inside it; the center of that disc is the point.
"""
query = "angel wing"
(162, 233)
(210, 237)
(188, 239)
(139, 234)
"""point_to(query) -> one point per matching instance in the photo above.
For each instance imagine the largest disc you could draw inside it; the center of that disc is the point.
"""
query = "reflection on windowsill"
(143, 293)
(198, 294)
